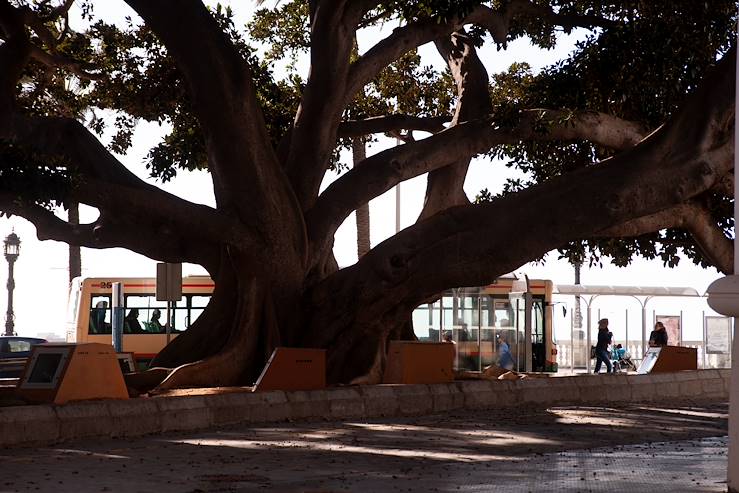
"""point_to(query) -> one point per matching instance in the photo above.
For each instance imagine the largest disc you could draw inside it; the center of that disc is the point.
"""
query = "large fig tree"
(627, 146)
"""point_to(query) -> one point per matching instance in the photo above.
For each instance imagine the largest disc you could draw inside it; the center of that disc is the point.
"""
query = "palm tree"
(359, 154)
(75, 256)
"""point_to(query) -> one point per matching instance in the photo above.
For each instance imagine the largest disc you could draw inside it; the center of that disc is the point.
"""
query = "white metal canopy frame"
(642, 294)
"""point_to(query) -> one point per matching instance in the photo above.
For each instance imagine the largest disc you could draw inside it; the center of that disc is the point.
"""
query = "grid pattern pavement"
(683, 466)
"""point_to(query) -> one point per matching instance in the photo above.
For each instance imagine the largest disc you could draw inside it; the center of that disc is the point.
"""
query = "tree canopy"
(626, 145)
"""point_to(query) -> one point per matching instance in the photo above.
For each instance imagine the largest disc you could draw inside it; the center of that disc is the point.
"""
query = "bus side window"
(197, 305)
(503, 313)
(151, 314)
(178, 316)
(99, 315)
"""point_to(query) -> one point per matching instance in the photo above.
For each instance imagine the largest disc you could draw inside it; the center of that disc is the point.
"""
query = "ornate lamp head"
(12, 246)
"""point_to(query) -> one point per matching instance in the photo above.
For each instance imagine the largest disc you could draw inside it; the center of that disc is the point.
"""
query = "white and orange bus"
(90, 314)
(478, 319)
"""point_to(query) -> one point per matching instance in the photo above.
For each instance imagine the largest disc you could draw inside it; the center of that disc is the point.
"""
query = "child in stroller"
(621, 359)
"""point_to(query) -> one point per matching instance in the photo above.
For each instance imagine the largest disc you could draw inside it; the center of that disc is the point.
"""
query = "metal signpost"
(169, 288)
(117, 319)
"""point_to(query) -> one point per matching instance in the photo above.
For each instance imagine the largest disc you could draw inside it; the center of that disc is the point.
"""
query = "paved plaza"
(630, 448)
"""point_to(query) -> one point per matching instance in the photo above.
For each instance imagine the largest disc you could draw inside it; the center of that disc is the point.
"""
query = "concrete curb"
(47, 424)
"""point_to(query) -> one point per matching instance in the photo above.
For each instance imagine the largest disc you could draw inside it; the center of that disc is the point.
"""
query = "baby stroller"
(621, 359)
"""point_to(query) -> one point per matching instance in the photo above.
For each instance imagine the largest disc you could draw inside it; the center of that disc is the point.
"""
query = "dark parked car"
(13, 354)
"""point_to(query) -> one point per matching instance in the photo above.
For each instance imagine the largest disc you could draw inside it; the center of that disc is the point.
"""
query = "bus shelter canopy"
(579, 289)
(646, 292)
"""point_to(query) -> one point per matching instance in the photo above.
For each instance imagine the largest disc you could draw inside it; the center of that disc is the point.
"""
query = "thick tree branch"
(600, 128)
(332, 83)
(384, 170)
(68, 138)
(445, 186)
(713, 243)
(391, 123)
(497, 22)
(54, 60)
(103, 182)
(62, 10)
(176, 216)
(247, 177)
(48, 225)
(14, 54)
(216, 73)
(402, 40)
(135, 236)
(470, 245)
(11, 20)
(332, 40)
(25, 16)
(413, 35)
(36, 23)
(726, 185)
(691, 216)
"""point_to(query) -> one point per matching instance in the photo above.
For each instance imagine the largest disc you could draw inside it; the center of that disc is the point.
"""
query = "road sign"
(169, 282)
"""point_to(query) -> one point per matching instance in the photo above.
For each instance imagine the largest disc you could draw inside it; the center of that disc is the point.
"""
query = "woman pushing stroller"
(615, 359)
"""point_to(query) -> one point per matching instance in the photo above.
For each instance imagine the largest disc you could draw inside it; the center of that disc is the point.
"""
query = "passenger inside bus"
(154, 325)
(97, 319)
(131, 323)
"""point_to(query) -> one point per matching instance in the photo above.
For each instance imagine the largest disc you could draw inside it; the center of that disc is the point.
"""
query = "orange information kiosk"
(419, 362)
(293, 369)
(61, 373)
(668, 359)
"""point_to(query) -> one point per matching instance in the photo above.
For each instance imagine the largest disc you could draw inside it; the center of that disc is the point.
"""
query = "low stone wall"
(47, 424)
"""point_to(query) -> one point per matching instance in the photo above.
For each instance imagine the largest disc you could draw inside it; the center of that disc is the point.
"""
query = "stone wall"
(46, 424)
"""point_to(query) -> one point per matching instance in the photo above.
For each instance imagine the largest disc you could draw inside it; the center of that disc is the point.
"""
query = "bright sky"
(41, 270)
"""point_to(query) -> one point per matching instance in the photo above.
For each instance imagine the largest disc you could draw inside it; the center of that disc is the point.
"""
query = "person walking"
(601, 348)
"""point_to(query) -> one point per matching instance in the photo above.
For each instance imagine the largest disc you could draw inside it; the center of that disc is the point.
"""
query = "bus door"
(538, 340)
(528, 335)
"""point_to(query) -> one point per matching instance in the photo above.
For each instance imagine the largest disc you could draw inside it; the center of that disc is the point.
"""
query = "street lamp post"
(11, 249)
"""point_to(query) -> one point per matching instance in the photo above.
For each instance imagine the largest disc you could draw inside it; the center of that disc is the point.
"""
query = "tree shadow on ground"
(413, 453)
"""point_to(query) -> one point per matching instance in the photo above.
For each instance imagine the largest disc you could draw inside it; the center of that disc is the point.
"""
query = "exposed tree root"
(147, 380)
(360, 351)
(231, 365)
(209, 333)
(374, 375)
